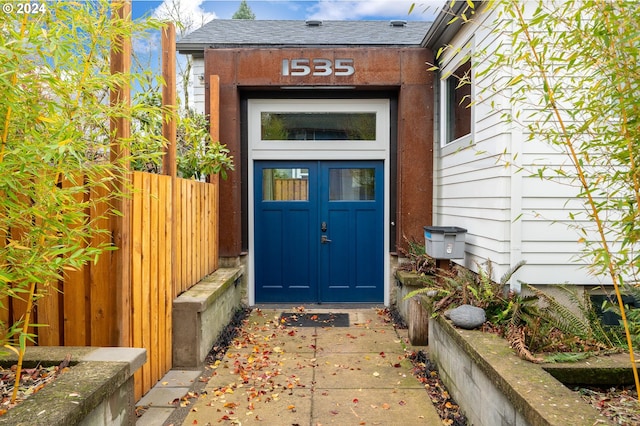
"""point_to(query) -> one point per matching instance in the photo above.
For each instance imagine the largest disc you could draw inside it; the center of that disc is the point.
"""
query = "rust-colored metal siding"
(401, 69)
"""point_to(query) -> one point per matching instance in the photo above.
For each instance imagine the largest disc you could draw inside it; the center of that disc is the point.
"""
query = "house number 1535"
(317, 67)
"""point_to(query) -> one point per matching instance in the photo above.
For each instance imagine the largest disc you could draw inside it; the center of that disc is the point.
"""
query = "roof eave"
(442, 30)
(199, 48)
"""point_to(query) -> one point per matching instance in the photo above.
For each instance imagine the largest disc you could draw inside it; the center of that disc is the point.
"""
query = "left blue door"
(319, 231)
(286, 213)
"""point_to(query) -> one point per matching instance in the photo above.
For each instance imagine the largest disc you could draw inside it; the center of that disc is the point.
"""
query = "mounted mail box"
(444, 242)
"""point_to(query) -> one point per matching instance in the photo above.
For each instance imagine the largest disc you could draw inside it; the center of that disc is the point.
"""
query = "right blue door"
(319, 232)
(351, 248)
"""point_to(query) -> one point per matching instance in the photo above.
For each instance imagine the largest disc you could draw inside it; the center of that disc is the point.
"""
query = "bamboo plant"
(54, 149)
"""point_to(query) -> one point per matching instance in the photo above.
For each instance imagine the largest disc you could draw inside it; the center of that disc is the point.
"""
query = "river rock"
(466, 316)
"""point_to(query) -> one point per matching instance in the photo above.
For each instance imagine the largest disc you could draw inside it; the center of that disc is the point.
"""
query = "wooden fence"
(174, 244)
(290, 189)
(186, 227)
(167, 239)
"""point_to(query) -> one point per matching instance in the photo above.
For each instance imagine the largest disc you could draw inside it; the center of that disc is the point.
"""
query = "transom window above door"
(318, 126)
(283, 129)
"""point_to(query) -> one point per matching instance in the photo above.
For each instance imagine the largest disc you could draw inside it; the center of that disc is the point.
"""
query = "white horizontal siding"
(472, 186)
(198, 85)
(510, 216)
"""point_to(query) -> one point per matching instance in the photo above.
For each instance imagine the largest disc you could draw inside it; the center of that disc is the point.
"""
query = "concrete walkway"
(275, 374)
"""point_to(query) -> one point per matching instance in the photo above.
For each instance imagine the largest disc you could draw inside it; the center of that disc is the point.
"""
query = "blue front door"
(319, 231)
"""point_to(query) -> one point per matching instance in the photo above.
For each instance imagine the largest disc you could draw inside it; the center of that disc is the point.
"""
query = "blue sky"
(282, 9)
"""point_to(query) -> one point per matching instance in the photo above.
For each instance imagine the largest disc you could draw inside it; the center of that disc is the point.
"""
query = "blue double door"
(318, 231)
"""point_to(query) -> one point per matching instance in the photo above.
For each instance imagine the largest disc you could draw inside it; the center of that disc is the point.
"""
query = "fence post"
(169, 168)
(214, 132)
(120, 127)
(169, 125)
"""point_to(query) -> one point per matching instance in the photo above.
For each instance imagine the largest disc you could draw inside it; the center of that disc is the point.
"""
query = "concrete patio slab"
(180, 378)
(355, 339)
(364, 371)
(373, 407)
(162, 397)
(154, 416)
(291, 339)
(247, 406)
(277, 375)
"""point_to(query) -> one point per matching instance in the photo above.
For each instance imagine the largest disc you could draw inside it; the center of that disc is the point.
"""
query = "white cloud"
(370, 9)
(146, 43)
(189, 13)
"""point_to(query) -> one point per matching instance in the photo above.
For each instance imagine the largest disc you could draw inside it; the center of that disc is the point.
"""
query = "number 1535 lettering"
(317, 67)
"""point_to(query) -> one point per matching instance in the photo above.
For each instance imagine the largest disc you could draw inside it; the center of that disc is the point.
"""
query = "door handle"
(324, 239)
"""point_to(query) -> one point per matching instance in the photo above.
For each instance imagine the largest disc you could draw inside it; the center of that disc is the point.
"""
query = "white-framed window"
(456, 107)
(318, 128)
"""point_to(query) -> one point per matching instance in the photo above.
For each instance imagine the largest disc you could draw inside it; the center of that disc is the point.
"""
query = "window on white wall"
(456, 102)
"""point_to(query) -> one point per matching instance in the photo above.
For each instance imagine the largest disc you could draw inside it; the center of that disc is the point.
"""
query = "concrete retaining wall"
(201, 313)
(97, 390)
(495, 387)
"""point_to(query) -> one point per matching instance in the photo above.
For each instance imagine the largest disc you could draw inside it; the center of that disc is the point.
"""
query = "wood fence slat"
(207, 230)
(192, 236)
(154, 279)
(197, 232)
(167, 293)
(48, 312)
(186, 217)
(146, 272)
(102, 303)
(136, 273)
(175, 239)
(18, 304)
(178, 238)
(201, 242)
(201, 232)
(195, 229)
(186, 235)
(76, 288)
(48, 307)
(189, 241)
(164, 207)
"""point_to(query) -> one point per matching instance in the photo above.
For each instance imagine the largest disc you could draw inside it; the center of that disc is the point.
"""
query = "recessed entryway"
(318, 231)
(318, 200)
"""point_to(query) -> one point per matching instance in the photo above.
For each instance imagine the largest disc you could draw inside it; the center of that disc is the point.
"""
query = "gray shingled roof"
(243, 32)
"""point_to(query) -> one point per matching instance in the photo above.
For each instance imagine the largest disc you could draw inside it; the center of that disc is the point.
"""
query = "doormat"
(314, 320)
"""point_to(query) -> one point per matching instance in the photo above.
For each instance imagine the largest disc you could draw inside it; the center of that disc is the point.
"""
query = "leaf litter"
(260, 377)
(265, 383)
(32, 380)
(618, 404)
